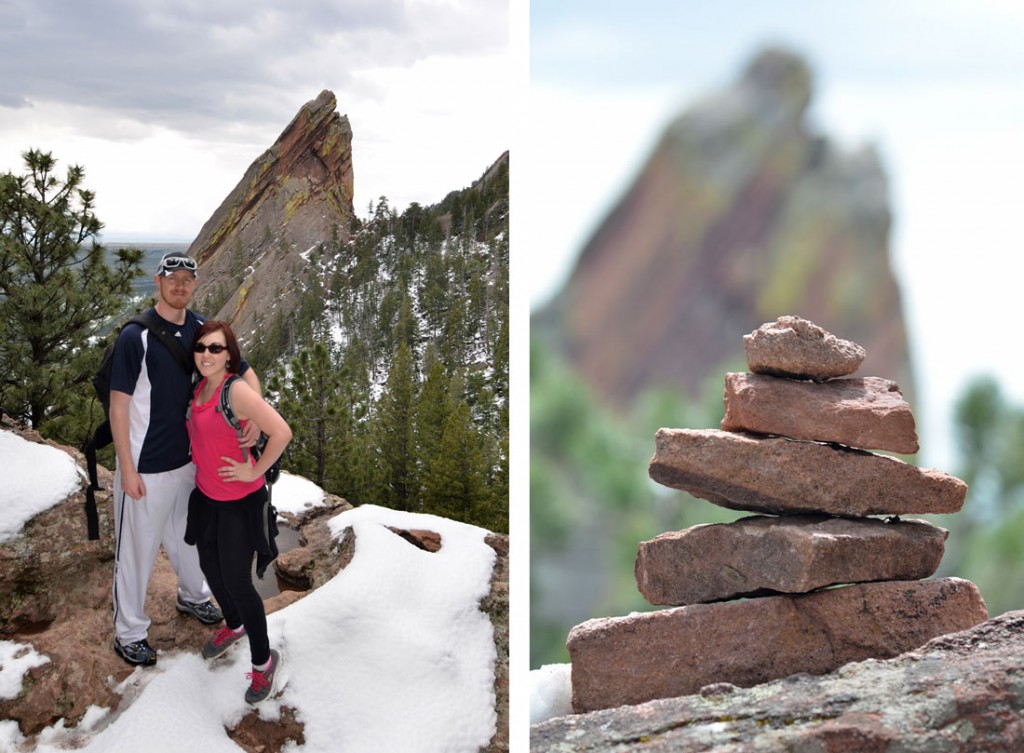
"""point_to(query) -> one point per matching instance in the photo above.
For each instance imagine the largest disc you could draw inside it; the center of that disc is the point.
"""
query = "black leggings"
(225, 555)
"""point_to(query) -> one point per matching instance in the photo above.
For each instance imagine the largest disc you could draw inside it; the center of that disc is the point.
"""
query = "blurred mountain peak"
(741, 214)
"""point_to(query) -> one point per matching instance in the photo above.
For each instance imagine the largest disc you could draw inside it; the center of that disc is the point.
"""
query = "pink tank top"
(213, 437)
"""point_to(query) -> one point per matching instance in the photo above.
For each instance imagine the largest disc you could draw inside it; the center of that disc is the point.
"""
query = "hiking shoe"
(220, 642)
(262, 682)
(140, 653)
(206, 612)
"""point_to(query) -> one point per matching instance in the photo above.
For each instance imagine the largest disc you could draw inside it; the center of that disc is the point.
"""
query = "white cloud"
(167, 104)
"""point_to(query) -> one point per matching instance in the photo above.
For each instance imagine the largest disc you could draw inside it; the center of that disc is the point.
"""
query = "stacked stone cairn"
(813, 580)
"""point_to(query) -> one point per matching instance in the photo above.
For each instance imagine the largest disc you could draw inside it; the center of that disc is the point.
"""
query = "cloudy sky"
(165, 103)
(936, 86)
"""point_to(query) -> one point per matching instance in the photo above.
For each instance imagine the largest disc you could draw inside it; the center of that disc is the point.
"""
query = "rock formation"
(805, 624)
(741, 213)
(958, 693)
(295, 196)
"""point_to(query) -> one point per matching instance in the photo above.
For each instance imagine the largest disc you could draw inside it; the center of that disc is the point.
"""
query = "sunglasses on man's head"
(214, 348)
(178, 262)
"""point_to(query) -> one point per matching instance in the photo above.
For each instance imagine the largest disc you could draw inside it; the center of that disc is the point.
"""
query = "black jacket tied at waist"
(261, 523)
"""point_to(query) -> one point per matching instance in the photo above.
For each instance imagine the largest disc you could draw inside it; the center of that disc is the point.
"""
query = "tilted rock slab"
(774, 475)
(295, 195)
(957, 693)
(794, 554)
(869, 413)
(795, 347)
(674, 652)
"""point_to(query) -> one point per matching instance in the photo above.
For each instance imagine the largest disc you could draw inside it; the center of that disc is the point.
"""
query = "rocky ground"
(55, 594)
(959, 693)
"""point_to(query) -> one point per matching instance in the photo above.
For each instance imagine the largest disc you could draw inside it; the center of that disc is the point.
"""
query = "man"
(149, 393)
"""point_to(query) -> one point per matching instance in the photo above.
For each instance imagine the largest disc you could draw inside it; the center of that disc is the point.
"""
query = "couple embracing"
(185, 478)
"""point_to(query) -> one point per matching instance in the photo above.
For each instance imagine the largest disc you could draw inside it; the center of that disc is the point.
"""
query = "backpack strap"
(225, 403)
(101, 438)
(172, 343)
(225, 409)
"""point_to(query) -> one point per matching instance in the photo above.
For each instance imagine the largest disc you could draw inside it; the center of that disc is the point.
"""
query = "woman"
(228, 509)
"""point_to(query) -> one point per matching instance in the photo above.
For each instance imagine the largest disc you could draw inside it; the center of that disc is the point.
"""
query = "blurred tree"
(984, 543)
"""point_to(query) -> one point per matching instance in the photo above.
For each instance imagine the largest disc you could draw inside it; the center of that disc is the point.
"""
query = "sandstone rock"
(959, 692)
(258, 735)
(292, 198)
(495, 604)
(53, 551)
(319, 557)
(674, 652)
(428, 541)
(795, 554)
(83, 669)
(796, 348)
(868, 413)
(773, 475)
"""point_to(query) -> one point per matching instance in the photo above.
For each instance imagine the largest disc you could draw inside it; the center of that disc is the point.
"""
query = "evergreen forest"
(393, 371)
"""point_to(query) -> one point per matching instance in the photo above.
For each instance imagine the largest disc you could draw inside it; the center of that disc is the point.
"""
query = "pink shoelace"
(224, 635)
(259, 680)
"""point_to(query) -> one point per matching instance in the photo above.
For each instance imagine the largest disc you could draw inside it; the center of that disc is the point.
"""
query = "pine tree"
(57, 292)
(407, 330)
(307, 400)
(434, 293)
(455, 484)
(452, 348)
(497, 520)
(499, 361)
(396, 447)
(432, 409)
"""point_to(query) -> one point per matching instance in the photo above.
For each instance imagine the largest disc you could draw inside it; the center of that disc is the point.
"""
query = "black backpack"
(103, 436)
(273, 473)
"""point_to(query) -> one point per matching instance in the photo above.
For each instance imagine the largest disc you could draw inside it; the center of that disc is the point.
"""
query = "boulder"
(800, 349)
(774, 475)
(674, 652)
(959, 692)
(54, 552)
(868, 413)
(795, 554)
(318, 557)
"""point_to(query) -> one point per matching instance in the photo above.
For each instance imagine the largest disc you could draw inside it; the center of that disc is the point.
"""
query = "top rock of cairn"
(798, 349)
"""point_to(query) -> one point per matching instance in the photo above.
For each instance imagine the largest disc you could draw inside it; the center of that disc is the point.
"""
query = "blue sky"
(936, 87)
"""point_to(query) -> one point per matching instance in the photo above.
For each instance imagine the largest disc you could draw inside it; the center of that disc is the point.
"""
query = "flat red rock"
(780, 476)
(868, 413)
(674, 652)
(792, 554)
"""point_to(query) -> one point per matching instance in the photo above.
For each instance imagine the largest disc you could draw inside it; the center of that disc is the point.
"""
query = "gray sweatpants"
(140, 527)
